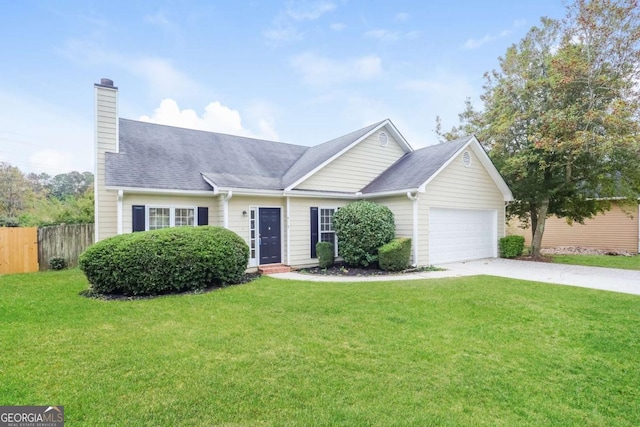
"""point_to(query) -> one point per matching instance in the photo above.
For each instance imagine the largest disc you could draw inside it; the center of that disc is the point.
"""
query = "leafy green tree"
(68, 184)
(561, 115)
(15, 194)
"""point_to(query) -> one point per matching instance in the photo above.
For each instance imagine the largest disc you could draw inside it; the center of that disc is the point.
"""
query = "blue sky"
(301, 72)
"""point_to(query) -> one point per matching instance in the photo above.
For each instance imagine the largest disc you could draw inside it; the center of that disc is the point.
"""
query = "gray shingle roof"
(167, 157)
(415, 168)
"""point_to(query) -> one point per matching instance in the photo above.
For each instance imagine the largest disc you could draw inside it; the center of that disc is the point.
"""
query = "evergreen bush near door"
(325, 254)
(361, 228)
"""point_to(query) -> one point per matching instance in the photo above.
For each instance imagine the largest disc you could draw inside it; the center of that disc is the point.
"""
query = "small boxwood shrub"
(165, 261)
(325, 254)
(395, 255)
(57, 263)
(511, 246)
(362, 227)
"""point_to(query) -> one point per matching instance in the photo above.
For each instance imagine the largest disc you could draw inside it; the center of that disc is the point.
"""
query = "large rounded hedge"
(362, 227)
(165, 261)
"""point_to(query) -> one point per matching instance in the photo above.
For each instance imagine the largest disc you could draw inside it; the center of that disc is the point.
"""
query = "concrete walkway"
(608, 279)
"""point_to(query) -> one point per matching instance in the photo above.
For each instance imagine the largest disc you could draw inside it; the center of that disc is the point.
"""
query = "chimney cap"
(105, 82)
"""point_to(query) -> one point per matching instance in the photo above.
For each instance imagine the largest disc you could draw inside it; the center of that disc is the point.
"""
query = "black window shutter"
(314, 231)
(203, 216)
(138, 216)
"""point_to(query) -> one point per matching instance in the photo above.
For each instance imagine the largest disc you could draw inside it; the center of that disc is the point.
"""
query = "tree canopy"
(40, 199)
(561, 114)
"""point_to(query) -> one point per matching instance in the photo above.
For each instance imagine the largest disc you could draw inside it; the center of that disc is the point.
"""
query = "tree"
(561, 115)
(72, 184)
(15, 193)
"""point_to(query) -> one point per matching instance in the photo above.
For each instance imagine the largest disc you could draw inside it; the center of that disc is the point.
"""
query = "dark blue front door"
(269, 228)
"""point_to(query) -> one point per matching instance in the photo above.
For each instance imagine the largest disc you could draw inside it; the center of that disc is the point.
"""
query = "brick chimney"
(106, 140)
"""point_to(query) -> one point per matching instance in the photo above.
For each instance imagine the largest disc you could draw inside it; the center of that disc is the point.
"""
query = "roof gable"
(318, 157)
(418, 168)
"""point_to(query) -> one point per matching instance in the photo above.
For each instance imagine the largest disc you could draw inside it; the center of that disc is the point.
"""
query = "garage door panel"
(460, 234)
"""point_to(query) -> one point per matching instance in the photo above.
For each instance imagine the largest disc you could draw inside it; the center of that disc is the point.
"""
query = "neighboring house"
(615, 230)
(449, 198)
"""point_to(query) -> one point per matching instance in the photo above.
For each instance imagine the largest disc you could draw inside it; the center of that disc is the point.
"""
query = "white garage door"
(461, 235)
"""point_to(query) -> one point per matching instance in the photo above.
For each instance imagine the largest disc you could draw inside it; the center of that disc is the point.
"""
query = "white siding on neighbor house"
(162, 200)
(357, 167)
(106, 137)
(460, 187)
(301, 227)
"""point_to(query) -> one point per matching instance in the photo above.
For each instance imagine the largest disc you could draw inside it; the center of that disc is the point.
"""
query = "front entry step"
(273, 269)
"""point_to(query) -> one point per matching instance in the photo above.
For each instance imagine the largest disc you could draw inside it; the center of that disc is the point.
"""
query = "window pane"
(184, 216)
(326, 219)
(159, 218)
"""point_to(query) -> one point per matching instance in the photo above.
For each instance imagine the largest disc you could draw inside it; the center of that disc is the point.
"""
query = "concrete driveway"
(608, 279)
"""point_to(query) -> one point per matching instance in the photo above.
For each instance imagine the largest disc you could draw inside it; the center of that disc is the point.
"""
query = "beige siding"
(615, 230)
(106, 137)
(131, 199)
(300, 227)
(402, 209)
(357, 167)
(459, 187)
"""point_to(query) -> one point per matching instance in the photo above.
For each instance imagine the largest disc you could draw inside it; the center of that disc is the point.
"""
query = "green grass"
(609, 261)
(466, 351)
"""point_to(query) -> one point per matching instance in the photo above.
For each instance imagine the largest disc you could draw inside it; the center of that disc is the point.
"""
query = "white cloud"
(161, 76)
(401, 17)
(383, 35)
(318, 70)
(308, 11)
(52, 161)
(338, 26)
(216, 118)
(61, 142)
(441, 94)
(284, 26)
(476, 43)
(391, 36)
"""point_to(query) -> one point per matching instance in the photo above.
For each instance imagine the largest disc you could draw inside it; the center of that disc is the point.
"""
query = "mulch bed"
(340, 269)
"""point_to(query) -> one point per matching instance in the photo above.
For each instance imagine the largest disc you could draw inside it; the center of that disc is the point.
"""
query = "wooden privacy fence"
(18, 250)
(65, 241)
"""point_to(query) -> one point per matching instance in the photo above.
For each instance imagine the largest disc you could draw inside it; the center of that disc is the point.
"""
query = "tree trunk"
(536, 242)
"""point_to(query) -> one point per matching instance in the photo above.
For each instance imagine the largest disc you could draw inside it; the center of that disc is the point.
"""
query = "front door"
(269, 237)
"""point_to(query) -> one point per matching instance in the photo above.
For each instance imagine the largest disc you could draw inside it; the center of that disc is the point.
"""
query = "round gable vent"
(466, 159)
(382, 139)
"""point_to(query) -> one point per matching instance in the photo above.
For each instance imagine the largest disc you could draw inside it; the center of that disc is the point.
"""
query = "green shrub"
(395, 255)
(511, 246)
(362, 227)
(165, 261)
(57, 263)
(325, 254)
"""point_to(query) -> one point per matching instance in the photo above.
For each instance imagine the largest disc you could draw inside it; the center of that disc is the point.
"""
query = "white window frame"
(253, 261)
(172, 214)
(335, 238)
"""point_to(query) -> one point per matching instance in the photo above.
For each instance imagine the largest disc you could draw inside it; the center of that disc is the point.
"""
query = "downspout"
(288, 231)
(120, 197)
(225, 208)
(414, 238)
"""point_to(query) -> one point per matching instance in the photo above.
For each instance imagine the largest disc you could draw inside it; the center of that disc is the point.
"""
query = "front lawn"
(609, 261)
(467, 351)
